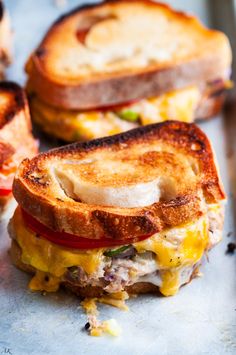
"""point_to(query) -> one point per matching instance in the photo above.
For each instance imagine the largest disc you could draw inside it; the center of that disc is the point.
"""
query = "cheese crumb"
(110, 326)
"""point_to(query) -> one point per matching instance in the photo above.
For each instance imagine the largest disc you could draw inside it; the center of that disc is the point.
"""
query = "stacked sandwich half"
(110, 215)
(107, 68)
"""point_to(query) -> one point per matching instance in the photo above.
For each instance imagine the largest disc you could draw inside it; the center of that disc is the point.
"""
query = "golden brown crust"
(37, 192)
(117, 87)
(15, 126)
(15, 102)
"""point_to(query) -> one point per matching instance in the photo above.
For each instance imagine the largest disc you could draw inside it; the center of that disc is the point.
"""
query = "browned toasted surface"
(16, 140)
(15, 123)
(12, 101)
(6, 152)
(67, 75)
(179, 147)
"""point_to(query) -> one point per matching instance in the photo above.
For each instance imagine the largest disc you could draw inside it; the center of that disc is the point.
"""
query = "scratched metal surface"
(201, 319)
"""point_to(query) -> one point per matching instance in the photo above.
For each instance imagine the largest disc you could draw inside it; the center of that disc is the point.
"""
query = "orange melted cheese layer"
(174, 249)
(49, 258)
(72, 125)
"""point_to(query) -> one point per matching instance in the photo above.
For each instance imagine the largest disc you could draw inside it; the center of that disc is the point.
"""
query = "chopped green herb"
(74, 272)
(114, 252)
(129, 115)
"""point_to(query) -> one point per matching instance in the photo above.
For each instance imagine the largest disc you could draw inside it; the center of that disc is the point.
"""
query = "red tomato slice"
(71, 240)
(6, 185)
(4, 192)
(112, 107)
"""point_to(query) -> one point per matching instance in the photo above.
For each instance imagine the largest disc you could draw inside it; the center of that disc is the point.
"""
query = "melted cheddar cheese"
(179, 105)
(172, 256)
(179, 252)
(50, 258)
(72, 125)
(174, 249)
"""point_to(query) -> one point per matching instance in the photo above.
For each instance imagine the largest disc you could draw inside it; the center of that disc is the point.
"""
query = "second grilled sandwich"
(107, 68)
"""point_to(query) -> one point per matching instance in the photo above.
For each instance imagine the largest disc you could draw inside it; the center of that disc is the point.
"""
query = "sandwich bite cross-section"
(106, 68)
(110, 215)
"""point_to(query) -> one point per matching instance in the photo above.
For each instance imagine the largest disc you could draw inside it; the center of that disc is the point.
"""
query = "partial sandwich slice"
(5, 40)
(134, 212)
(16, 140)
(106, 68)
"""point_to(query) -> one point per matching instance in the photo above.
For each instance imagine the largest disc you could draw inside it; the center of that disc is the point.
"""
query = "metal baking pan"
(200, 319)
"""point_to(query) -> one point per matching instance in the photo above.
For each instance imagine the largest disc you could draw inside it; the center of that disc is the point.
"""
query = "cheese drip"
(184, 247)
(174, 249)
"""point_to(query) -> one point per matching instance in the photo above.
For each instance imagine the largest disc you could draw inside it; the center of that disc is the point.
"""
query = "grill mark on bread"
(115, 226)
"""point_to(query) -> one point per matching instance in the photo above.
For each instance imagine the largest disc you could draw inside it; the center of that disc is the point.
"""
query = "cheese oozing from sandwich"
(71, 125)
(173, 250)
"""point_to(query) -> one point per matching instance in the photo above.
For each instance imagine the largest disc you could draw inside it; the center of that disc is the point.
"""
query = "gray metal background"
(201, 319)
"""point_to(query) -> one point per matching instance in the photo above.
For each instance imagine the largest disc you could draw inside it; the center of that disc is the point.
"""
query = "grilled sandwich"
(106, 68)
(16, 140)
(133, 212)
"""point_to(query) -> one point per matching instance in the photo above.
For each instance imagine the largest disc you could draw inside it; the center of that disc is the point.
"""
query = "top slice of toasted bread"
(16, 140)
(118, 51)
(90, 189)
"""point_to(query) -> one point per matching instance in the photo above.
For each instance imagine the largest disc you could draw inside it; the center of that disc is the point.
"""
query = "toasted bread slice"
(15, 126)
(122, 185)
(5, 40)
(119, 51)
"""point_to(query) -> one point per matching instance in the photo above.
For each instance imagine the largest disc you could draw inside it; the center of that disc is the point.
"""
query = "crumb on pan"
(110, 326)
